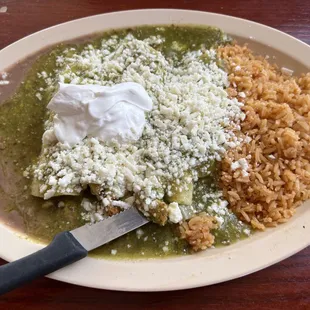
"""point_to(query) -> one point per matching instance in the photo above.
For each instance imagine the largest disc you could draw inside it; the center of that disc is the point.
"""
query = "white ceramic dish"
(209, 267)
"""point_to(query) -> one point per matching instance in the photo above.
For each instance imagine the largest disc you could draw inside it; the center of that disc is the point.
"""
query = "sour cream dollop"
(103, 112)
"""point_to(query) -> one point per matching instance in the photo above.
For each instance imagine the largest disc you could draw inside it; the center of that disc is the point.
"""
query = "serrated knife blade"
(95, 235)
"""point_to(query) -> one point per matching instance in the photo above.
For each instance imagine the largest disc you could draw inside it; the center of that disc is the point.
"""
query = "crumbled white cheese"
(235, 165)
(247, 139)
(247, 231)
(174, 213)
(4, 82)
(244, 173)
(49, 193)
(39, 96)
(219, 207)
(87, 205)
(98, 217)
(113, 252)
(242, 163)
(165, 249)
(94, 211)
(220, 220)
(26, 173)
(139, 233)
(287, 71)
(3, 9)
(219, 210)
(190, 125)
(106, 202)
(121, 204)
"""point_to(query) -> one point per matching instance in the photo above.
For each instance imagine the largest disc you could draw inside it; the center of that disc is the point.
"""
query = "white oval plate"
(211, 266)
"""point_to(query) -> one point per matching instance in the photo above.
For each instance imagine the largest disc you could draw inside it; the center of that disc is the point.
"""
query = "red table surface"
(285, 285)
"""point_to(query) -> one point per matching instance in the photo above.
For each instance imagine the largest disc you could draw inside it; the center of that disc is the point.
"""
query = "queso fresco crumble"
(152, 118)
(191, 125)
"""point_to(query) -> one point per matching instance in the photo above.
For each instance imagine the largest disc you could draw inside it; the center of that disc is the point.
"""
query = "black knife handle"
(62, 251)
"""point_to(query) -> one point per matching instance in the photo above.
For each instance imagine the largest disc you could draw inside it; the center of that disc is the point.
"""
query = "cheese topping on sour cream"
(103, 112)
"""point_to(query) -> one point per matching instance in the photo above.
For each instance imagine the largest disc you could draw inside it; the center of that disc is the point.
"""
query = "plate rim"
(22, 246)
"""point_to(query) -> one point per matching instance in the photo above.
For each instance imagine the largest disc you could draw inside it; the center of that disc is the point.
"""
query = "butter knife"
(68, 247)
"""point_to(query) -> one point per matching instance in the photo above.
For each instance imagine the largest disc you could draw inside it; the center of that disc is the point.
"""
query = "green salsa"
(22, 119)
